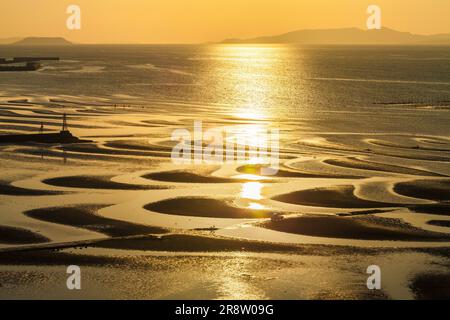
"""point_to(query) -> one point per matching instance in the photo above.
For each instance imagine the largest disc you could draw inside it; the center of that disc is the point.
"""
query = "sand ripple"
(330, 197)
(86, 217)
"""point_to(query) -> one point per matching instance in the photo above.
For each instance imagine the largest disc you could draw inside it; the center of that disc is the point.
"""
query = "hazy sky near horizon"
(191, 21)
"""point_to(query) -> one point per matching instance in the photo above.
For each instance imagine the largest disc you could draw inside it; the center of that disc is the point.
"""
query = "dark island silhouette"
(6, 41)
(42, 41)
(347, 36)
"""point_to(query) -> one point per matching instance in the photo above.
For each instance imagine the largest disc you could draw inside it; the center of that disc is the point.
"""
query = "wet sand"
(54, 257)
(237, 274)
(161, 232)
(438, 190)
(441, 209)
(431, 286)
(440, 223)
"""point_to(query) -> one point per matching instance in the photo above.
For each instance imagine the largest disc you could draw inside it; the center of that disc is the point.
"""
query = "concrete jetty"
(64, 136)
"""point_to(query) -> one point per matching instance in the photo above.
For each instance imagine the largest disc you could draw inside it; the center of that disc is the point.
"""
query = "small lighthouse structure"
(65, 133)
(65, 128)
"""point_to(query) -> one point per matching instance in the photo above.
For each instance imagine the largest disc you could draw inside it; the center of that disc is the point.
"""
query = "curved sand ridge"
(331, 197)
(204, 207)
(18, 236)
(362, 228)
(186, 177)
(86, 217)
(344, 197)
(9, 190)
(96, 182)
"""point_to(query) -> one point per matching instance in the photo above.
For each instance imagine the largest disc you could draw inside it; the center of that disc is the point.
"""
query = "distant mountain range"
(347, 36)
(313, 36)
(36, 41)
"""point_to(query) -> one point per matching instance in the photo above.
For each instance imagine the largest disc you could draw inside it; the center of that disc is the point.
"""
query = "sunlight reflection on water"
(252, 190)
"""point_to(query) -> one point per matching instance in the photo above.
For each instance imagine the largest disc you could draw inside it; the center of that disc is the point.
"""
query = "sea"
(269, 81)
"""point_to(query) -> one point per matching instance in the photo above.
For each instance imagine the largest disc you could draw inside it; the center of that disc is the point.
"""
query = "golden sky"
(192, 21)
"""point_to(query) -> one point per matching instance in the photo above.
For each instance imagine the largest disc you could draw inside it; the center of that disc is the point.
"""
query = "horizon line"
(210, 41)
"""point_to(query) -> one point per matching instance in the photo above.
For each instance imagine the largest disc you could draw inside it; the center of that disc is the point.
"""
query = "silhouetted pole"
(41, 129)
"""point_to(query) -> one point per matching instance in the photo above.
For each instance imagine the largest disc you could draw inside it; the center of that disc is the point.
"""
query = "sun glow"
(252, 190)
(252, 177)
(255, 206)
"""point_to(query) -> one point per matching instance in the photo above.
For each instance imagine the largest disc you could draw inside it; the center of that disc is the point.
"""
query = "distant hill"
(9, 40)
(348, 36)
(42, 41)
